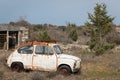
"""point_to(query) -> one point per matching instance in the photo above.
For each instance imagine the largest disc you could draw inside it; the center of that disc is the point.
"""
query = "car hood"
(66, 56)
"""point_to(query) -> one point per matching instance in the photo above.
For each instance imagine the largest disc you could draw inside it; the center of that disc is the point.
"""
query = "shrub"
(39, 27)
(103, 48)
(44, 36)
(73, 35)
(113, 37)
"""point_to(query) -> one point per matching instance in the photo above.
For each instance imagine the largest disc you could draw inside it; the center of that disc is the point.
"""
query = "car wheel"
(64, 70)
(17, 67)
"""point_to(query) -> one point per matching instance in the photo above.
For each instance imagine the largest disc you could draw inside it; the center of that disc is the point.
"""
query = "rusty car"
(43, 56)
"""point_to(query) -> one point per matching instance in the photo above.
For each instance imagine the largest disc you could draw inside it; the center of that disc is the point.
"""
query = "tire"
(17, 67)
(64, 70)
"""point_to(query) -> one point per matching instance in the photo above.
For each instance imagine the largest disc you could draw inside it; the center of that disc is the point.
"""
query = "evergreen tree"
(44, 36)
(73, 35)
(71, 29)
(100, 25)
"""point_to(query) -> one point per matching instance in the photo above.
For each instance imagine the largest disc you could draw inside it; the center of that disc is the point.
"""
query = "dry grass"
(104, 67)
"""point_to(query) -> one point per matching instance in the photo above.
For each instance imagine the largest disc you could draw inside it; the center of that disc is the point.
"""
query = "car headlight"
(75, 64)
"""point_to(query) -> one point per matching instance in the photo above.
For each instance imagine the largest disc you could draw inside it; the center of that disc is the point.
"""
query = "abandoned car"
(43, 56)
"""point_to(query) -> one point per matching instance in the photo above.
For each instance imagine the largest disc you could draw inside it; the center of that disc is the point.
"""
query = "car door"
(26, 53)
(44, 59)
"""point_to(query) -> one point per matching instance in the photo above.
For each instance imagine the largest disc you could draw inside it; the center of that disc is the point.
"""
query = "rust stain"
(44, 43)
(37, 43)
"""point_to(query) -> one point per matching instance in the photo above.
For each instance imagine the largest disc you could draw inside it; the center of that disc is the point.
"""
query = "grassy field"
(104, 67)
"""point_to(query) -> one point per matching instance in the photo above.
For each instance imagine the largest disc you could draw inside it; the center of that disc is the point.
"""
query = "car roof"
(31, 43)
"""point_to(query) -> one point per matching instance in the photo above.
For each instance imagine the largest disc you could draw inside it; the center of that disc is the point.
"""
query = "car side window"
(39, 50)
(26, 50)
(43, 50)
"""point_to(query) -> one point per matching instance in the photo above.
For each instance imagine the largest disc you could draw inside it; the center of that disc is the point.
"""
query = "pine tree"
(73, 35)
(44, 36)
(100, 25)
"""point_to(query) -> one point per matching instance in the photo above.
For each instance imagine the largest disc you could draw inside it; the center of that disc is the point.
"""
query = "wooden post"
(7, 38)
(19, 37)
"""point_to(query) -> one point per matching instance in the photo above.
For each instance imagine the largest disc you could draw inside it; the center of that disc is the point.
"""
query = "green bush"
(39, 27)
(73, 35)
(103, 48)
(44, 36)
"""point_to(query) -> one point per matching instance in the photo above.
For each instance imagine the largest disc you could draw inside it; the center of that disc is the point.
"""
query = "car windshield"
(58, 49)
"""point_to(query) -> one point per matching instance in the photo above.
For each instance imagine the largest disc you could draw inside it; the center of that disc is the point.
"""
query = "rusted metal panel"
(34, 43)
(45, 62)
